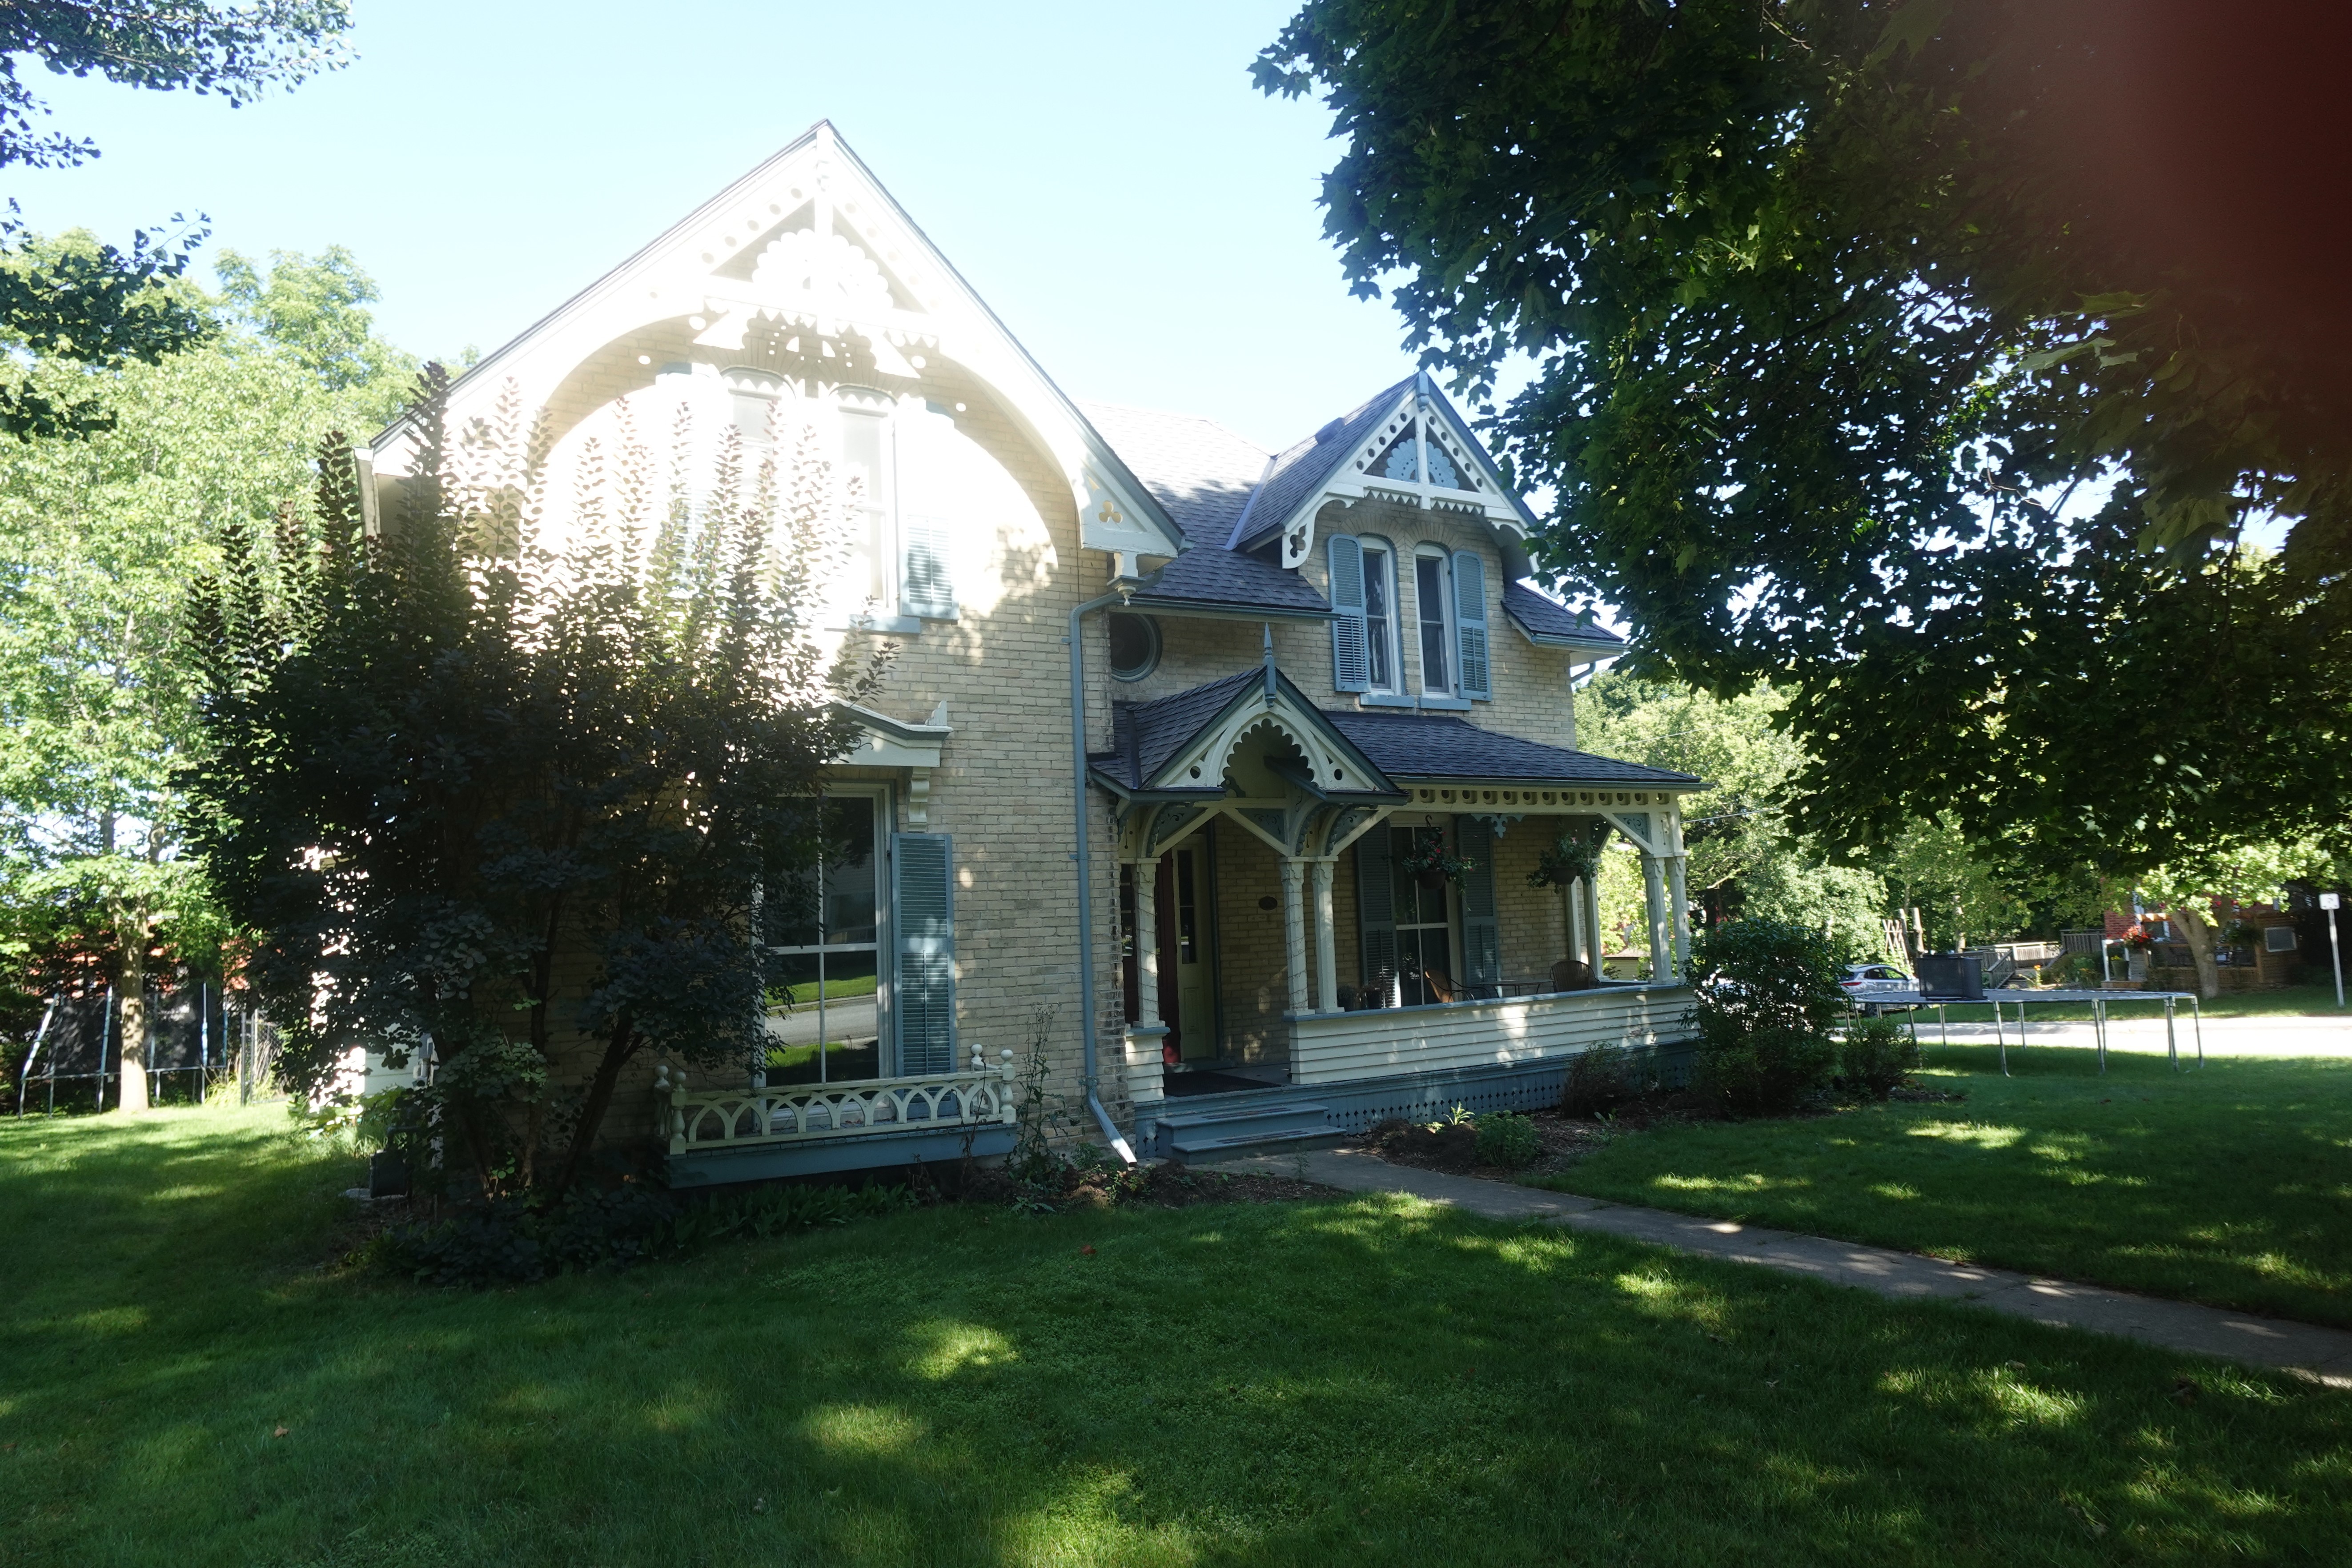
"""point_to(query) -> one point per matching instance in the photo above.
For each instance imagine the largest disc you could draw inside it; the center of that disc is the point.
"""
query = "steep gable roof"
(1203, 475)
(1337, 460)
(1199, 471)
(864, 271)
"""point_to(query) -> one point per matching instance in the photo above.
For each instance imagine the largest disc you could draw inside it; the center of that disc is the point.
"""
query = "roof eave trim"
(1226, 609)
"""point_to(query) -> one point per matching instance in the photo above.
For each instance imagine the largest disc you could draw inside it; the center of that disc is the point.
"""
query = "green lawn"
(1360, 1381)
(803, 993)
(2231, 1186)
(2295, 1001)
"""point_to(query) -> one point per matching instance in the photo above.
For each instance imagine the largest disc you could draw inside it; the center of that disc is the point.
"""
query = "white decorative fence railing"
(733, 1118)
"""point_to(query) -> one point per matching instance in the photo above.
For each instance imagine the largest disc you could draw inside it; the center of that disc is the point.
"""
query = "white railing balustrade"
(979, 1096)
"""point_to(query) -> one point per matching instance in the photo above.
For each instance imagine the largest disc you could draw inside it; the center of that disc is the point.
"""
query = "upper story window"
(1433, 594)
(1380, 617)
(904, 456)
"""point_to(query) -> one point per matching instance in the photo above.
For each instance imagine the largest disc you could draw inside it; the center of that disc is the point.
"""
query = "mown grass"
(2231, 1186)
(1360, 1381)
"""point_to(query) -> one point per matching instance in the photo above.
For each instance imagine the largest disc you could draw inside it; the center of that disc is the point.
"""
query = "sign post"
(2329, 902)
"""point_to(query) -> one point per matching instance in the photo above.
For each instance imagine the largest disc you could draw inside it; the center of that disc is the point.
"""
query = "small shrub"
(1508, 1139)
(1767, 1071)
(1768, 995)
(1875, 1056)
(1599, 1079)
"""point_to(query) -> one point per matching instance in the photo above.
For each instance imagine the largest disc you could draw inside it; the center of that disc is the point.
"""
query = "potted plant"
(1572, 857)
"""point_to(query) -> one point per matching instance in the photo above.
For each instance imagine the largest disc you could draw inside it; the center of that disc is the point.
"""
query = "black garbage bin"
(1951, 976)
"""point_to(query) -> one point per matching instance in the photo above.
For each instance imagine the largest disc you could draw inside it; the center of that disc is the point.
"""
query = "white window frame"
(1385, 553)
(880, 801)
(1450, 641)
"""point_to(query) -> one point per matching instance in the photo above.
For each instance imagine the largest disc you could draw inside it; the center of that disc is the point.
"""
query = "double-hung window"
(824, 931)
(1433, 594)
(1380, 617)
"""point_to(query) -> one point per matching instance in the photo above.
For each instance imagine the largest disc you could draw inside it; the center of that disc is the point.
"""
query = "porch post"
(1677, 869)
(1572, 897)
(1654, 881)
(1327, 965)
(1147, 944)
(1294, 931)
(1599, 938)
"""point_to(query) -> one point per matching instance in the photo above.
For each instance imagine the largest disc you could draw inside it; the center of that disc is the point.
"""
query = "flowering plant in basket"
(1428, 860)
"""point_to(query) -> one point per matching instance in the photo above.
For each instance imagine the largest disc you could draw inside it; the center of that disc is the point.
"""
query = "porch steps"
(1243, 1123)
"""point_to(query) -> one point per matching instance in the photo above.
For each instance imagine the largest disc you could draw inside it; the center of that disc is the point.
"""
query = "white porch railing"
(1335, 1047)
(688, 1120)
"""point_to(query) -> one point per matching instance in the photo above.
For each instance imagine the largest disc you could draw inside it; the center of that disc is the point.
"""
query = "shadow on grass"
(2230, 1186)
(1369, 1380)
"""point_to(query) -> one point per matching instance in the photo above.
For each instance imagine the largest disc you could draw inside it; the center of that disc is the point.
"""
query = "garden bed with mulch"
(1563, 1140)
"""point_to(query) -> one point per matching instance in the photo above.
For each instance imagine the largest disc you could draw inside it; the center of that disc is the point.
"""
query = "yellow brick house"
(1219, 772)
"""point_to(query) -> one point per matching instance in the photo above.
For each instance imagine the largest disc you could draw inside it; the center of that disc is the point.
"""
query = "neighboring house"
(1291, 672)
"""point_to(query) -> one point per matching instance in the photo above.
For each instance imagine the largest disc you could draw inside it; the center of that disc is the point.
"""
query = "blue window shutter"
(922, 917)
(928, 464)
(1482, 947)
(1350, 666)
(1470, 625)
(1376, 913)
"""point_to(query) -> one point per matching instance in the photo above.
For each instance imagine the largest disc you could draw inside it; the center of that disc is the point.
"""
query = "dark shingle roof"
(1199, 471)
(1144, 735)
(1209, 574)
(1547, 617)
(1299, 471)
(1202, 474)
(1440, 746)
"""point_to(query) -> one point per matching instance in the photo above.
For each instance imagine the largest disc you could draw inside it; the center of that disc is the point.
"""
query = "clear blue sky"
(1102, 173)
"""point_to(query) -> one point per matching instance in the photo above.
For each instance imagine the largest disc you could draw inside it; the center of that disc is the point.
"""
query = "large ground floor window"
(1424, 924)
(824, 999)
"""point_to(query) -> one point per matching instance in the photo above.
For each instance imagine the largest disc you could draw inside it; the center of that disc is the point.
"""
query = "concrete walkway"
(2324, 1355)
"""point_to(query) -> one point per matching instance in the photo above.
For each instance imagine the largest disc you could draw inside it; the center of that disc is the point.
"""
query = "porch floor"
(1185, 1085)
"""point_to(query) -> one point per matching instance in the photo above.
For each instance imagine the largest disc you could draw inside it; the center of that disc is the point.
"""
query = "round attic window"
(1134, 645)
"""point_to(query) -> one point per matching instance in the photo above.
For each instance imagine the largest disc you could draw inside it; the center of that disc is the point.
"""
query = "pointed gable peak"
(806, 261)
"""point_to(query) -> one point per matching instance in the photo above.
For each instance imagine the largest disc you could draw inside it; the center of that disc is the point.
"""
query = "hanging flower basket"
(1428, 863)
(1571, 858)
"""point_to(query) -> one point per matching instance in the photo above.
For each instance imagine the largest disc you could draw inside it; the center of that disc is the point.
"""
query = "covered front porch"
(1312, 900)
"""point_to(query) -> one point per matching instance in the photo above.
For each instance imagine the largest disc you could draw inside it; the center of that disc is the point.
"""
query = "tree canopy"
(508, 777)
(79, 297)
(1842, 377)
(237, 51)
(100, 538)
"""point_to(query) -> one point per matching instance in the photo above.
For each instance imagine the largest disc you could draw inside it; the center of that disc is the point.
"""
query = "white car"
(1863, 980)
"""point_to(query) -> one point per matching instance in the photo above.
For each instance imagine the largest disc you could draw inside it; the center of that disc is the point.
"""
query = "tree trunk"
(618, 1053)
(131, 1028)
(2200, 932)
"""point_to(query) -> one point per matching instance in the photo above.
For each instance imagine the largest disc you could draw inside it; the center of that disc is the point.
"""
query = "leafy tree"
(99, 539)
(1845, 378)
(508, 780)
(315, 308)
(89, 302)
(2239, 874)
